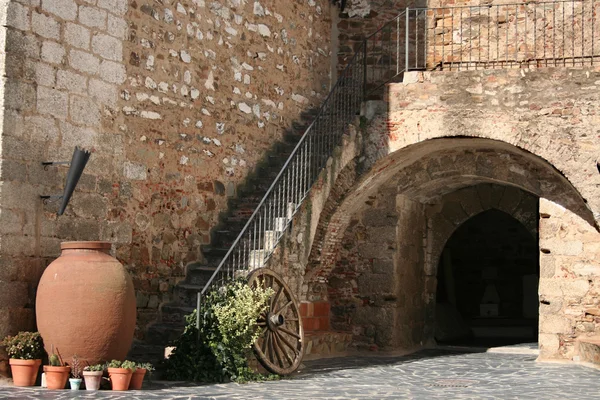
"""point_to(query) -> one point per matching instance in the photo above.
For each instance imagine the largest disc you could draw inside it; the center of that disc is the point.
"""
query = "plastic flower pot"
(92, 379)
(56, 377)
(75, 383)
(137, 379)
(24, 372)
(119, 378)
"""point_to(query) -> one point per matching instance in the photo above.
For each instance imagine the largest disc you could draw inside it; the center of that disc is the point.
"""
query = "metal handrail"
(267, 224)
(416, 39)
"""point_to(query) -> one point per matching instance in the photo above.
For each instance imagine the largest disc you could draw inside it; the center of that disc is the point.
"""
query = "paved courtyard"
(429, 374)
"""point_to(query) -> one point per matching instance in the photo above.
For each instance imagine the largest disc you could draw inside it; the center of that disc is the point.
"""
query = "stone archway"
(377, 261)
(487, 280)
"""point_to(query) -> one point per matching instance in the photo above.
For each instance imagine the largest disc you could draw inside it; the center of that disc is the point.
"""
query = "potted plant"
(57, 373)
(120, 374)
(75, 380)
(25, 351)
(92, 374)
(138, 375)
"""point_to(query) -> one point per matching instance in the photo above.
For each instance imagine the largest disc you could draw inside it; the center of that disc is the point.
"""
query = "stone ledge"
(321, 344)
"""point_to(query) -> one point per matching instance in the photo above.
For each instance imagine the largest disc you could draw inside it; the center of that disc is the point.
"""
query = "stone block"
(92, 17)
(77, 36)
(77, 136)
(117, 27)
(118, 7)
(18, 16)
(13, 171)
(112, 72)
(555, 324)
(53, 52)
(13, 245)
(84, 62)
(65, 9)
(19, 95)
(134, 171)
(103, 92)
(42, 129)
(52, 102)
(84, 111)
(11, 222)
(75, 228)
(45, 74)
(370, 284)
(71, 81)
(45, 26)
(107, 47)
(549, 345)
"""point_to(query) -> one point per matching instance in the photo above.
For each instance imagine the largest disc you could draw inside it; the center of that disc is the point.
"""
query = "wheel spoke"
(277, 350)
(276, 298)
(289, 303)
(294, 334)
(285, 353)
(288, 344)
(263, 347)
(261, 323)
(271, 350)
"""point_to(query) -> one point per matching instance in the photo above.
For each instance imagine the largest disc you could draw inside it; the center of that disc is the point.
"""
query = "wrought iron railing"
(559, 33)
(266, 226)
(542, 34)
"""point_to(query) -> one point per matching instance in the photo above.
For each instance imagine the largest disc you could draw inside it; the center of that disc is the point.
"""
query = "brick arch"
(436, 167)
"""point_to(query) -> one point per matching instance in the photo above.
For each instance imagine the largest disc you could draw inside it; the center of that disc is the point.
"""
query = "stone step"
(162, 334)
(174, 314)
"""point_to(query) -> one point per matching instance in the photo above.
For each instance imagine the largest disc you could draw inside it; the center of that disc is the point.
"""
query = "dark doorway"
(487, 291)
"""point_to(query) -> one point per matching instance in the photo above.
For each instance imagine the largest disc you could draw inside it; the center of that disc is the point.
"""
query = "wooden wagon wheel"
(280, 347)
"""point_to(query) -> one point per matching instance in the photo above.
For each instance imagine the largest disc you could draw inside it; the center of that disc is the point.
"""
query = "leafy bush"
(219, 350)
(147, 366)
(24, 346)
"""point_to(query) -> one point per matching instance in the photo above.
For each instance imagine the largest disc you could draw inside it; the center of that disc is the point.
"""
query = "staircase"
(249, 232)
(171, 319)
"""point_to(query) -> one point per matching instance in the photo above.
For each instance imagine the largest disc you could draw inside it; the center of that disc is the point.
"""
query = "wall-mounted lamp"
(78, 162)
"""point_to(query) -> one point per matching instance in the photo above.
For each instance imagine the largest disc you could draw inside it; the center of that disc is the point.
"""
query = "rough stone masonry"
(178, 101)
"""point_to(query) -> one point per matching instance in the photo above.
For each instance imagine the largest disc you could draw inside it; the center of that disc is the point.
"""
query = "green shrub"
(24, 346)
(130, 365)
(219, 350)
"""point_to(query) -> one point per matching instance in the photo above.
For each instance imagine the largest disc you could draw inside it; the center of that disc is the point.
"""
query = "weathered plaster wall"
(178, 100)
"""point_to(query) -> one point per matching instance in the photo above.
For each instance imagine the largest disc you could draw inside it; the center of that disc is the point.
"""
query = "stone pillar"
(569, 288)
(414, 290)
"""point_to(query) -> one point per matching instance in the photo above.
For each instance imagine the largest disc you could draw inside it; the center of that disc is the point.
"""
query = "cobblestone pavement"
(429, 374)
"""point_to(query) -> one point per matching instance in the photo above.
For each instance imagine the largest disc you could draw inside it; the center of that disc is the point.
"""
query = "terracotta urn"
(85, 304)
(24, 372)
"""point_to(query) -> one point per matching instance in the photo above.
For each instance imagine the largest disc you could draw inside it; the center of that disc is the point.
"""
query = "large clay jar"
(85, 304)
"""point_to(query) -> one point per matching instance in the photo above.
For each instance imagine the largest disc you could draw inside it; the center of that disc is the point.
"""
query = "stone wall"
(178, 100)
(569, 292)
(211, 86)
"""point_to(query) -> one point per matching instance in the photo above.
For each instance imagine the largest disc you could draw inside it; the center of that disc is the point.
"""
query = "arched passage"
(382, 244)
(487, 282)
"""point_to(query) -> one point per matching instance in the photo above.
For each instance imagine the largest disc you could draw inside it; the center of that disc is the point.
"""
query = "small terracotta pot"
(119, 378)
(137, 379)
(24, 372)
(56, 377)
(92, 379)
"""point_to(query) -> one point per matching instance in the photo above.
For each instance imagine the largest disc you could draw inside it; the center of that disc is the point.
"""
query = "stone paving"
(429, 374)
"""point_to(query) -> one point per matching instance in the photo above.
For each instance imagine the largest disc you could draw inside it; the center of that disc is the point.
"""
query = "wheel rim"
(280, 346)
